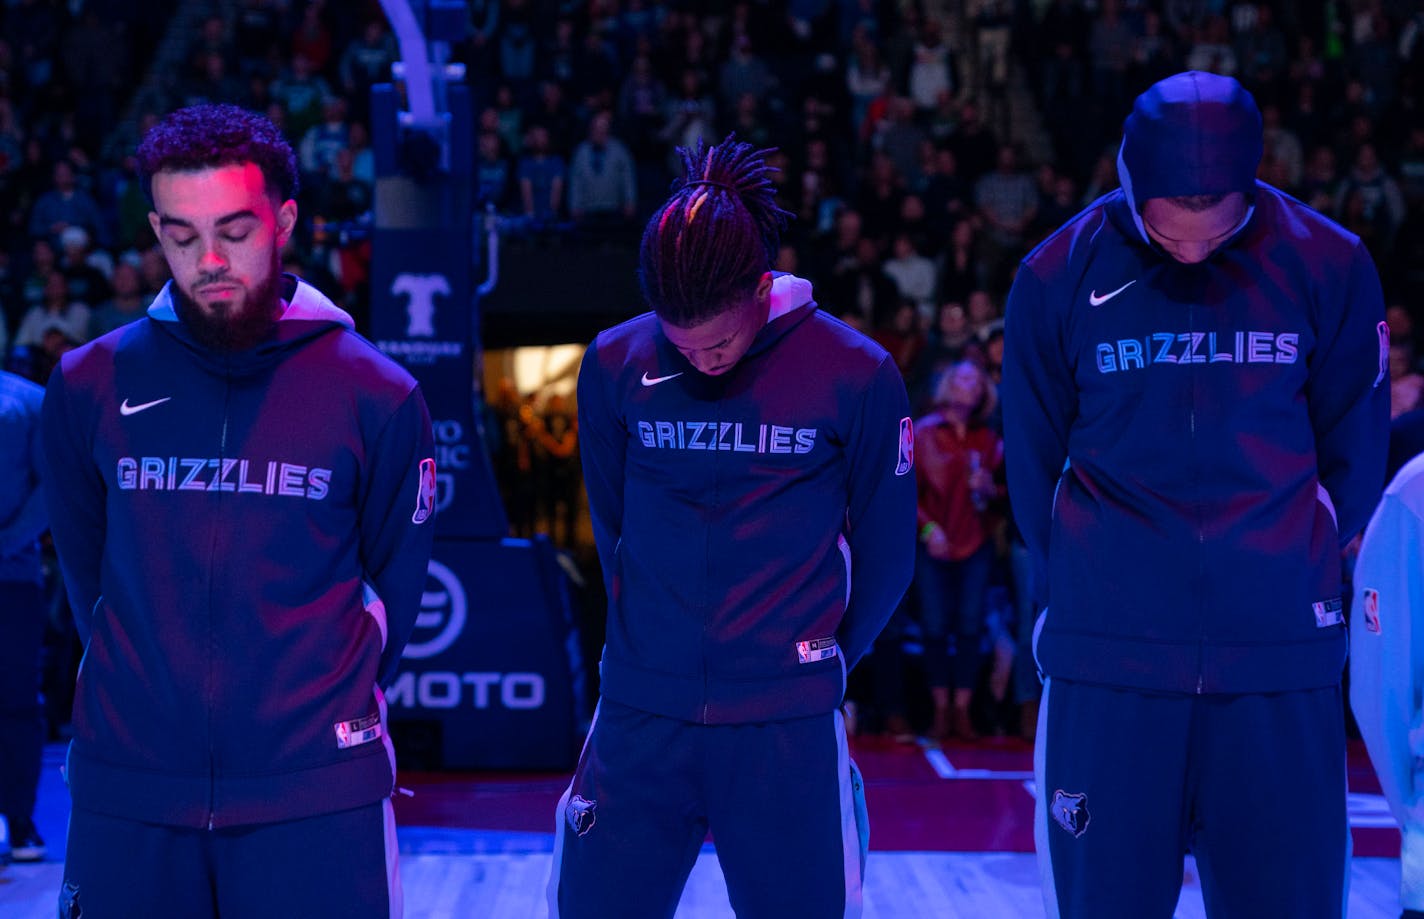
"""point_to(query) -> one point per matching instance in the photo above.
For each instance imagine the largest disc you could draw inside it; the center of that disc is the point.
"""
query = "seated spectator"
(898, 330)
(345, 196)
(602, 183)
(66, 205)
(127, 304)
(541, 178)
(57, 312)
(494, 177)
(914, 276)
(1406, 384)
(300, 93)
(88, 282)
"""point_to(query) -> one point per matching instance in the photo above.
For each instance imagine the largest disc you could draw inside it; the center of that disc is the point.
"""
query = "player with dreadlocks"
(743, 452)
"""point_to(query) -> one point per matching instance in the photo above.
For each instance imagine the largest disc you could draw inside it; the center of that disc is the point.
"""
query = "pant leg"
(932, 584)
(1027, 686)
(1109, 826)
(971, 581)
(782, 801)
(123, 869)
(1270, 816)
(340, 865)
(631, 823)
(22, 621)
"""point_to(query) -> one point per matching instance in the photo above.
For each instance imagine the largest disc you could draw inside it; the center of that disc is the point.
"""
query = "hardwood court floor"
(951, 837)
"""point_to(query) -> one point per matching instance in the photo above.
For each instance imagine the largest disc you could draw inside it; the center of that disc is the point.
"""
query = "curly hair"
(210, 135)
(708, 246)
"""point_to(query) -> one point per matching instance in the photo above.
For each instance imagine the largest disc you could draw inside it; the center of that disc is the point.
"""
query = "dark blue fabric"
(1253, 785)
(952, 604)
(22, 621)
(330, 865)
(769, 793)
(1192, 134)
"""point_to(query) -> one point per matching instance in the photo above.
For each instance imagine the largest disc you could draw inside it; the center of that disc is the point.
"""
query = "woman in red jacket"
(957, 454)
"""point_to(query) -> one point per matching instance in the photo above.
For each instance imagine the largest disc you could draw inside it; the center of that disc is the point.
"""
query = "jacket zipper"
(212, 632)
(707, 569)
(1201, 531)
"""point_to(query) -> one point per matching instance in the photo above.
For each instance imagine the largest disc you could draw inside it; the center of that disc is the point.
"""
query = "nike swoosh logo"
(126, 409)
(1095, 300)
(654, 381)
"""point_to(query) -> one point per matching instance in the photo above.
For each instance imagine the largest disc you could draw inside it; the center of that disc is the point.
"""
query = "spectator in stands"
(66, 205)
(1406, 383)
(602, 182)
(127, 303)
(494, 175)
(1380, 205)
(955, 459)
(300, 93)
(317, 150)
(366, 62)
(59, 312)
(88, 284)
(1007, 199)
(867, 77)
(933, 68)
(542, 176)
(914, 276)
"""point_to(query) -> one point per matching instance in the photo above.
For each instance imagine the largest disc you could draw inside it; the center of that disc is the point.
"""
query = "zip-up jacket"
(756, 529)
(22, 513)
(221, 520)
(1387, 662)
(1189, 446)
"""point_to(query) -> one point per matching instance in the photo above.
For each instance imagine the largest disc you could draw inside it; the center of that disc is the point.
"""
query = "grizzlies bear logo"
(581, 814)
(1070, 812)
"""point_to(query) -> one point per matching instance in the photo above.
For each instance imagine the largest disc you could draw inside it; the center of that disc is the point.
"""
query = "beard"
(235, 326)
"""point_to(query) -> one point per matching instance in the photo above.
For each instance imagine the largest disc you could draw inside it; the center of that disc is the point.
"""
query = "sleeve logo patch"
(1371, 606)
(1383, 329)
(906, 460)
(425, 497)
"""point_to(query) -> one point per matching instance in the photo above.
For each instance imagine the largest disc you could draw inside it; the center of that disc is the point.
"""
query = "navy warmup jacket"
(220, 520)
(756, 529)
(1189, 446)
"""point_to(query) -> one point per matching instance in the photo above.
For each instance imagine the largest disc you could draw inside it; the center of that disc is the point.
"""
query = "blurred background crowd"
(924, 148)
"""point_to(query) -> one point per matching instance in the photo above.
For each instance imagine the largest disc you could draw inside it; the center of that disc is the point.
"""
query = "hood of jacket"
(1193, 133)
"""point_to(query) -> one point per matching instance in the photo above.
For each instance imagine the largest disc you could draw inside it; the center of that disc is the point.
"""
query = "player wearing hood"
(744, 455)
(234, 480)
(1195, 424)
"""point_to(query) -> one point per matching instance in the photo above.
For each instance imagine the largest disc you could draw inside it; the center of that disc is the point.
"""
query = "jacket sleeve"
(1349, 400)
(1387, 663)
(75, 496)
(603, 445)
(1040, 403)
(396, 521)
(880, 511)
(24, 527)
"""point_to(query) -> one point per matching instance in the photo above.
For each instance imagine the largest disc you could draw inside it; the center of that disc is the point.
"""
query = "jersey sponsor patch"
(818, 649)
(425, 497)
(906, 460)
(1328, 612)
(355, 733)
(1383, 330)
(1371, 610)
(1070, 812)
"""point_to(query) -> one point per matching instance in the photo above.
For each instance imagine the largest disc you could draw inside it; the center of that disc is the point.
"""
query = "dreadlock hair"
(707, 248)
(208, 136)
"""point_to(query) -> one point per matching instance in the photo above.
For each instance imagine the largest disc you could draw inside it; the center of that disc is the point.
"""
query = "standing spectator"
(602, 184)
(1193, 686)
(542, 176)
(229, 730)
(913, 274)
(956, 458)
(366, 62)
(66, 205)
(317, 151)
(301, 93)
(1381, 205)
(88, 284)
(22, 611)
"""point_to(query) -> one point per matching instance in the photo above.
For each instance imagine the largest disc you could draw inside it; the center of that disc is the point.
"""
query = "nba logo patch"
(425, 497)
(906, 462)
(1371, 610)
